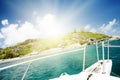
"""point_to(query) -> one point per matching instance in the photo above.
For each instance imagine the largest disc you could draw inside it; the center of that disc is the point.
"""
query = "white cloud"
(1, 36)
(4, 22)
(15, 33)
(108, 28)
(88, 28)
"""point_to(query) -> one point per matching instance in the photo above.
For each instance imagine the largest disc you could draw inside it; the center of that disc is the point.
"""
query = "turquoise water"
(52, 67)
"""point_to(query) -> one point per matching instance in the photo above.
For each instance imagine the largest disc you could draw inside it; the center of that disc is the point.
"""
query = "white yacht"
(98, 71)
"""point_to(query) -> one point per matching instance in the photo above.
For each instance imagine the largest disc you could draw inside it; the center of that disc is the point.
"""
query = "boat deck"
(98, 71)
(100, 67)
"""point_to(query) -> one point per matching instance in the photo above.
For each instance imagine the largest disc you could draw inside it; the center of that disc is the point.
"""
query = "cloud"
(15, 33)
(1, 36)
(88, 28)
(109, 28)
(4, 22)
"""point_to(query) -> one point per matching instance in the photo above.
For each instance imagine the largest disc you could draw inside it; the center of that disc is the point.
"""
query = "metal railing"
(84, 57)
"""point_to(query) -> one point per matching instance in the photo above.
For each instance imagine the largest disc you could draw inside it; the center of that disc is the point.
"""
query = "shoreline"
(43, 53)
(115, 38)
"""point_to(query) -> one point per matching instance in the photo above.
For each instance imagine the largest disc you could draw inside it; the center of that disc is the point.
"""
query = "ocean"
(54, 66)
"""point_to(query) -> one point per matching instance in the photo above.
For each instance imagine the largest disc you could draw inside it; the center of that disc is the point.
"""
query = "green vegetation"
(39, 45)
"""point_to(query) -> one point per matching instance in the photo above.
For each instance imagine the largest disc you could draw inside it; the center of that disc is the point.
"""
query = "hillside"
(43, 44)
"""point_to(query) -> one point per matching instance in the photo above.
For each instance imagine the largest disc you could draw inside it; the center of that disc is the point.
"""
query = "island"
(55, 43)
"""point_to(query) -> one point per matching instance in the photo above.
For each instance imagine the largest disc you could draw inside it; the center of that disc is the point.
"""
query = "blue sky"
(24, 19)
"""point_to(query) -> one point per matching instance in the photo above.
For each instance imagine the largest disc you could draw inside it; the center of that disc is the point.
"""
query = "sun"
(51, 26)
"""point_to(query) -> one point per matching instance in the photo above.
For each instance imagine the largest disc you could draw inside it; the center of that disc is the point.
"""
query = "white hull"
(97, 71)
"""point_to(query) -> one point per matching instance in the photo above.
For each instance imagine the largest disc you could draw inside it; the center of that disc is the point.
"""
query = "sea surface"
(52, 67)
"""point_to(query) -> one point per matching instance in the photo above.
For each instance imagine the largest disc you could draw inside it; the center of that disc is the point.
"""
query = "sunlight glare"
(51, 25)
